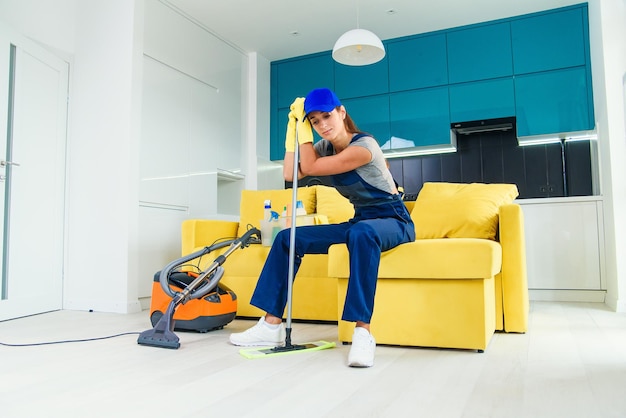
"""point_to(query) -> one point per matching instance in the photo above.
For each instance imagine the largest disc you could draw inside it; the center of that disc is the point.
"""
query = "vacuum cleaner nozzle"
(165, 340)
(162, 335)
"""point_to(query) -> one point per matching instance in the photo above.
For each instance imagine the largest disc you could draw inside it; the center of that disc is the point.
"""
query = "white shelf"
(226, 175)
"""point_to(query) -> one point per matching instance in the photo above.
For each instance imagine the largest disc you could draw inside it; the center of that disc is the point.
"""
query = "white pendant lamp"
(358, 47)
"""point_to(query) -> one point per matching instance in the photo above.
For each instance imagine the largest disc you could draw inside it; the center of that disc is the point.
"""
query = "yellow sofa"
(463, 278)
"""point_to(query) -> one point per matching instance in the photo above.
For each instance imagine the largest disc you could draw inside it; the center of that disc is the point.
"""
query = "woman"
(357, 167)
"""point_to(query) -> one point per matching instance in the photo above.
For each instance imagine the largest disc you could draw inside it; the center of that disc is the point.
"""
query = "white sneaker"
(260, 334)
(363, 349)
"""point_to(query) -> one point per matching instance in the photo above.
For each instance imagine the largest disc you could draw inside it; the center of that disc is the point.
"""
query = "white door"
(33, 120)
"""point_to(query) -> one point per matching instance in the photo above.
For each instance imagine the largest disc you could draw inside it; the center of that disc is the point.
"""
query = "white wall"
(607, 22)
(101, 272)
(102, 41)
(195, 117)
(269, 173)
(49, 22)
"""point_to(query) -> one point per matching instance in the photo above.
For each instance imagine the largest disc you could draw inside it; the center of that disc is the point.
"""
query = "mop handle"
(292, 235)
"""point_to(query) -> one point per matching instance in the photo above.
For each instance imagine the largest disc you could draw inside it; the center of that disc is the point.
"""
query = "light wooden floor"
(572, 363)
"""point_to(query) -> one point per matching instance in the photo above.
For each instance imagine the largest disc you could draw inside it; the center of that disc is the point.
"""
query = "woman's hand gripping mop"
(298, 132)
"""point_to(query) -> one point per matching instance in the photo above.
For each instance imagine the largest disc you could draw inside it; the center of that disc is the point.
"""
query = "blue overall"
(374, 228)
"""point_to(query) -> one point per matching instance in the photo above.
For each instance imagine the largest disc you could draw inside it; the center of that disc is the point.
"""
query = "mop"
(289, 347)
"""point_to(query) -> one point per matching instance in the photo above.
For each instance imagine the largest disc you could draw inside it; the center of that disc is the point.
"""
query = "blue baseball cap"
(322, 100)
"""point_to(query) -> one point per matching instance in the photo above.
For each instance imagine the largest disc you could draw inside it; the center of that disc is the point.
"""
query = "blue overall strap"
(358, 189)
(329, 146)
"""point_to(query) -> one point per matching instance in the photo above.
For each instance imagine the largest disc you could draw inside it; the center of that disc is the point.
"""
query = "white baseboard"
(103, 306)
(618, 305)
(561, 295)
(145, 303)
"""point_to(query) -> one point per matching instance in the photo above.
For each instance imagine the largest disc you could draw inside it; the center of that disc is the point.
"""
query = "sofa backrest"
(460, 210)
(332, 204)
(442, 210)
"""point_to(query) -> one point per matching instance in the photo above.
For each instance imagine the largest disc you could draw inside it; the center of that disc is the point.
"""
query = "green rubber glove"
(290, 137)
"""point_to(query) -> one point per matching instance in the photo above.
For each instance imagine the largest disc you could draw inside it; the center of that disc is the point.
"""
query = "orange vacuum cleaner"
(207, 305)
(204, 314)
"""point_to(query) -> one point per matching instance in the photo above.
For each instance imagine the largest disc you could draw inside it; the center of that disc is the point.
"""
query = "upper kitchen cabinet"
(361, 81)
(479, 53)
(553, 101)
(417, 62)
(419, 118)
(482, 100)
(299, 76)
(278, 128)
(550, 40)
(371, 115)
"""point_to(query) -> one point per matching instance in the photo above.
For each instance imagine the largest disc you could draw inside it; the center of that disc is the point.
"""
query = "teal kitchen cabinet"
(417, 62)
(360, 81)
(554, 101)
(482, 100)
(550, 41)
(290, 79)
(371, 115)
(479, 53)
(535, 67)
(278, 132)
(420, 118)
(299, 76)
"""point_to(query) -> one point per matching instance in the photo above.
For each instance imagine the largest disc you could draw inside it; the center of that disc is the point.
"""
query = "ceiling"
(279, 29)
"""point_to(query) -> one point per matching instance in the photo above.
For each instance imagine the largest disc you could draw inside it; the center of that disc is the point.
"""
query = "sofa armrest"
(515, 302)
(204, 232)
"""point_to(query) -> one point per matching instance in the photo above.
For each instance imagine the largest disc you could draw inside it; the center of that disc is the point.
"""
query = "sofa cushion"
(455, 210)
(332, 204)
(250, 261)
(251, 207)
(462, 258)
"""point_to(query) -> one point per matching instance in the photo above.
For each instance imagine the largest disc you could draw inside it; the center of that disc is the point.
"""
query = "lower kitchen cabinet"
(565, 248)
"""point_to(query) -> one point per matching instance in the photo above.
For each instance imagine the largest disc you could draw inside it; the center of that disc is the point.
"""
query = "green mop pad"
(261, 352)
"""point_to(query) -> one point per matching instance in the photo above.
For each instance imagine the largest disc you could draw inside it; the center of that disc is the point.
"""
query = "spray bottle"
(300, 211)
(267, 210)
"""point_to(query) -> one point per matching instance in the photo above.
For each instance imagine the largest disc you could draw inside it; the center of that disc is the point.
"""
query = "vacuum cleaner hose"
(214, 270)
(246, 239)
(207, 287)
(165, 273)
